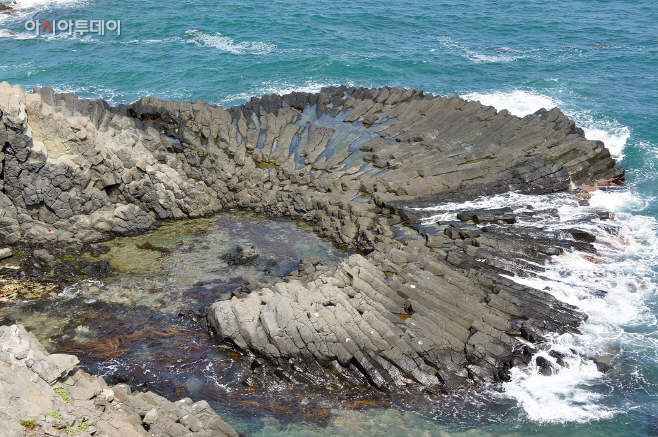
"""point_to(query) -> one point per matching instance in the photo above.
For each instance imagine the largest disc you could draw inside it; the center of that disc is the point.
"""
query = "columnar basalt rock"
(46, 394)
(422, 308)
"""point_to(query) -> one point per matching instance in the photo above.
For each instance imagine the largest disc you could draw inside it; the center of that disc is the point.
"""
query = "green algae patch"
(141, 254)
(62, 394)
(29, 423)
(263, 164)
(472, 162)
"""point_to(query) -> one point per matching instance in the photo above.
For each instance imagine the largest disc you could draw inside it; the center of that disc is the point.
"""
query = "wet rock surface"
(48, 395)
(8, 7)
(244, 254)
(54, 267)
(415, 307)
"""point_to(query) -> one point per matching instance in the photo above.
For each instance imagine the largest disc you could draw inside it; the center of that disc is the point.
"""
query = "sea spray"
(524, 102)
(564, 382)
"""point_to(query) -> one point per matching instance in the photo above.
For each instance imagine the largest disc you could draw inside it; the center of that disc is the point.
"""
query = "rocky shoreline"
(7, 7)
(416, 306)
(48, 395)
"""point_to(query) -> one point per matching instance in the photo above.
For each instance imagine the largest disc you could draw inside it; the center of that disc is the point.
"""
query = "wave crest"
(227, 44)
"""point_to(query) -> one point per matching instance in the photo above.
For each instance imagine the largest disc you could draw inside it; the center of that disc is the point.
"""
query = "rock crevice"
(414, 307)
(47, 394)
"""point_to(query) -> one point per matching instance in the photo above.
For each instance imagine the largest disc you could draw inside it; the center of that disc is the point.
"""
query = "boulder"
(5, 253)
(53, 392)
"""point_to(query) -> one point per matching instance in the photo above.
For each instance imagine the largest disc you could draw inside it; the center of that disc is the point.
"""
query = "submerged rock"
(48, 394)
(415, 307)
(245, 254)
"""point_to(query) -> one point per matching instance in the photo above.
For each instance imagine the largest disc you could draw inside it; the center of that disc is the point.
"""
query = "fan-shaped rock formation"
(413, 306)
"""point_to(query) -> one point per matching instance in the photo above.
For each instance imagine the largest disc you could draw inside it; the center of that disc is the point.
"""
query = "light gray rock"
(5, 253)
(53, 367)
(26, 382)
(151, 417)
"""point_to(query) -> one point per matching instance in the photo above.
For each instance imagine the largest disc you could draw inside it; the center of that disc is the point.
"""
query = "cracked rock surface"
(412, 307)
(51, 396)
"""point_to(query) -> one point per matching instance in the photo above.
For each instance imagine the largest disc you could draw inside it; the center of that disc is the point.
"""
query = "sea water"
(596, 60)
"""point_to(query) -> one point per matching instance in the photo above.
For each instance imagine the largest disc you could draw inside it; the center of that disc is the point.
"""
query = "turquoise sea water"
(596, 60)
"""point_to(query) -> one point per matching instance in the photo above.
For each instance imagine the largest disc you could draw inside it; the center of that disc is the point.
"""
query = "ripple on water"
(140, 323)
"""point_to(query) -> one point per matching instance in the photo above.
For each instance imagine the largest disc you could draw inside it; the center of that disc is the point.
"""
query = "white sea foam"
(628, 280)
(614, 135)
(522, 102)
(226, 44)
(279, 88)
(480, 55)
(613, 293)
(562, 397)
(25, 9)
(490, 58)
(517, 102)
(90, 91)
(156, 41)
(38, 4)
(448, 211)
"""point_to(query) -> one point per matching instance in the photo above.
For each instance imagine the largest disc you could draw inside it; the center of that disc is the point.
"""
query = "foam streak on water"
(480, 55)
(26, 9)
(226, 44)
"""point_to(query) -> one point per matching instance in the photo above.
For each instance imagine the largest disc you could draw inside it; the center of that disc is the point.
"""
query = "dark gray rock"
(244, 254)
(431, 309)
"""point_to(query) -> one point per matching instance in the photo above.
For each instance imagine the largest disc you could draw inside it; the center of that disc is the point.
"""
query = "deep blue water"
(596, 60)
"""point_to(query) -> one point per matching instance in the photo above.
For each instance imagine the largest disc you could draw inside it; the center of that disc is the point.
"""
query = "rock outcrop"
(48, 395)
(430, 309)
(7, 7)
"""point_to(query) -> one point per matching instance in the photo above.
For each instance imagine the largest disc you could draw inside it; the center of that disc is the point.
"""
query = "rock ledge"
(48, 395)
(430, 307)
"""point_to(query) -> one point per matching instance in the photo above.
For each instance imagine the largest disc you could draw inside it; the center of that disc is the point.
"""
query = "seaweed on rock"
(414, 309)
